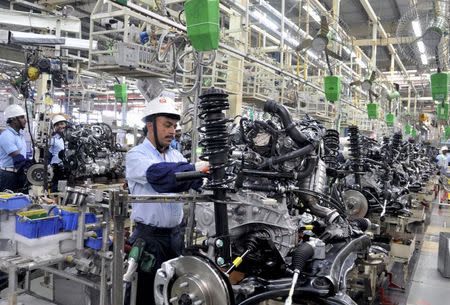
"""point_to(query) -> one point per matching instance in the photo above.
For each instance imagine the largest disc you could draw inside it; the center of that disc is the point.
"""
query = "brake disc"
(36, 174)
(356, 202)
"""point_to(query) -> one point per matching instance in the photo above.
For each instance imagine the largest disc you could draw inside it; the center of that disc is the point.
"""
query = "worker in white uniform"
(56, 147)
(13, 151)
(150, 169)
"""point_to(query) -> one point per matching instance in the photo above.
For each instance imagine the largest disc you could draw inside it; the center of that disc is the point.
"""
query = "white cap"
(444, 148)
(160, 105)
(58, 118)
(13, 111)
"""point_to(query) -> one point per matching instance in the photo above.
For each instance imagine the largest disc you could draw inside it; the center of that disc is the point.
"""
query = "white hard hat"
(444, 148)
(58, 118)
(161, 105)
(13, 111)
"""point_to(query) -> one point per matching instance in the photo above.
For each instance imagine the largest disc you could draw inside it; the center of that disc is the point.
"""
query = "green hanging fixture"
(332, 87)
(390, 119)
(447, 132)
(372, 111)
(439, 86)
(414, 133)
(442, 111)
(408, 129)
(202, 22)
(120, 92)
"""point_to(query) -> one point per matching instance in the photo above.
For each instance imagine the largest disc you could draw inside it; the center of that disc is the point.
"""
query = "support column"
(236, 65)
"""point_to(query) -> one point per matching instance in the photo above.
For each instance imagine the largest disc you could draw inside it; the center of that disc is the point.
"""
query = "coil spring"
(396, 140)
(331, 143)
(215, 137)
(355, 149)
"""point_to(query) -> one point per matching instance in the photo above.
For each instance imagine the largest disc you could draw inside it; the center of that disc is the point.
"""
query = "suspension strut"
(355, 152)
(212, 105)
(331, 143)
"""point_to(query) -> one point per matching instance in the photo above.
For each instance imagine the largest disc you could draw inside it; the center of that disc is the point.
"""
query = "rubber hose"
(292, 155)
(309, 168)
(297, 136)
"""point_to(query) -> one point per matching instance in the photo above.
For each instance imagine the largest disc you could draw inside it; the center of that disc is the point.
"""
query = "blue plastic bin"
(37, 223)
(96, 243)
(12, 202)
(70, 218)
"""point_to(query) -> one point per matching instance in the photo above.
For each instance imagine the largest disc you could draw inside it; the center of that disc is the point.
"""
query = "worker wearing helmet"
(442, 160)
(175, 144)
(56, 147)
(13, 151)
(150, 170)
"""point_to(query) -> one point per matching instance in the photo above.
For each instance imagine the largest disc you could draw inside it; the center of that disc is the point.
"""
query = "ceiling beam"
(374, 18)
(384, 41)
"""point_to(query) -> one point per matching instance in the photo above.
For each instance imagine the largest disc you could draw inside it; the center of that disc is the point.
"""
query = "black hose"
(266, 174)
(308, 169)
(292, 155)
(297, 136)
(362, 223)
(302, 253)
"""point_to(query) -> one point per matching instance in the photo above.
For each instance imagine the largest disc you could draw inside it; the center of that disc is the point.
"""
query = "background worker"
(150, 169)
(13, 151)
(56, 146)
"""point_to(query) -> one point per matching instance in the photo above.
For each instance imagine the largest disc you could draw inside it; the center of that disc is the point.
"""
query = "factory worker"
(150, 169)
(175, 144)
(442, 160)
(13, 151)
(56, 145)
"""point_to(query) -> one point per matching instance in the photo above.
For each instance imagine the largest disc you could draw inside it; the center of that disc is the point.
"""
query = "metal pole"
(118, 209)
(103, 265)
(12, 282)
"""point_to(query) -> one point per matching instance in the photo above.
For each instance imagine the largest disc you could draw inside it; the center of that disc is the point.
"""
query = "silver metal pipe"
(71, 277)
(12, 285)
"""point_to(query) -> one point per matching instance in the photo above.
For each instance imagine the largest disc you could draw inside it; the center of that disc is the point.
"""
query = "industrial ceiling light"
(416, 28)
(424, 59)
(312, 13)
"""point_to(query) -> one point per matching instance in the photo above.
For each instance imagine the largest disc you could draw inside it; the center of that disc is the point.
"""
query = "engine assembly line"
(207, 152)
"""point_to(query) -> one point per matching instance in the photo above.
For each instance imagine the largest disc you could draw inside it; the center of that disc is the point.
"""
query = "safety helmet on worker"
(58, 118)
(444, 148)
(160, 106)
(14, 111)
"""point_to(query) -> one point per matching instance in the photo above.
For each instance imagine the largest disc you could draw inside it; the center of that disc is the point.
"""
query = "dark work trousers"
(58, 174)
(12, 181)
(164, 244)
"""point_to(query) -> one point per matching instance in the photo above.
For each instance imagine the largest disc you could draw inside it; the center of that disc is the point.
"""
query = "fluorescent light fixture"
(416, 28)
(312, 54)
(361, 63)
(35, 39)
(79, 44)
(424, 59)
(312, 13)
(421, 46)
(262, 19)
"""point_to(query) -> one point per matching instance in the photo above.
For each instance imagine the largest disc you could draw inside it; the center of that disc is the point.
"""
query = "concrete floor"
(428, 287)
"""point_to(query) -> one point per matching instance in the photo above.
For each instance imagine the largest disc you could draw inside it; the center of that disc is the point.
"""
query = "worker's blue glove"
(21, 163)
(161, 177)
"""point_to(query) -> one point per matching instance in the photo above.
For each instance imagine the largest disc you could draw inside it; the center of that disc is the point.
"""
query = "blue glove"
(21, 163)
(161, 177)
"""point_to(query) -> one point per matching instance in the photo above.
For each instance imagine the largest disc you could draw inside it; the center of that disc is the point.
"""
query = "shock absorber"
(396, 141)
(355, 152)
(212, 105)
(331, 143)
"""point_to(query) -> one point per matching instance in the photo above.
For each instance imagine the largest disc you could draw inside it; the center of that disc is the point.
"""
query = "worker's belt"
(156, 230)
(9, 169)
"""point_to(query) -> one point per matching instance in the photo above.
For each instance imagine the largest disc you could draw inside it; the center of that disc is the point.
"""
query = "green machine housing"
(439, 86)
(332, 87)
(202, 20)
(442, 111)
(372, 111)
(390, 119)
